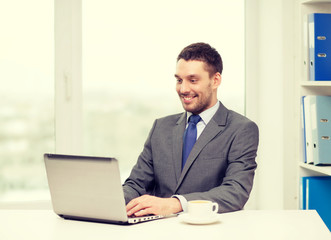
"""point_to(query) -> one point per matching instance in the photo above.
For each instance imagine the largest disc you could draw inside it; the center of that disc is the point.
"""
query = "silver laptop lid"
(84, 187)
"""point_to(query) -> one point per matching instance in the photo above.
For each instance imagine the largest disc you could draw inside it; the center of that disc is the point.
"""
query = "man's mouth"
(188, 99)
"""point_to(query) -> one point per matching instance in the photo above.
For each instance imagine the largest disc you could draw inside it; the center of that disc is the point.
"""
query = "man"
(220, 167)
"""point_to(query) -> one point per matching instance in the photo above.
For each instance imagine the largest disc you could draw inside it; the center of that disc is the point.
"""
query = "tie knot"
(194, 119)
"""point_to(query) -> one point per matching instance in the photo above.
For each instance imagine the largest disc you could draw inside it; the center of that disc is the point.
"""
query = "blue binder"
(303, 193)
(320, 110)
(317, 196)
(319, 40)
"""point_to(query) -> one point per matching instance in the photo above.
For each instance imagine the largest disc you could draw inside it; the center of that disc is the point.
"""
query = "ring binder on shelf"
(319, 41)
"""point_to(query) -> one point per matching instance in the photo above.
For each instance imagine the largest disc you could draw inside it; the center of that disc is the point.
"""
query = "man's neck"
(208, 114)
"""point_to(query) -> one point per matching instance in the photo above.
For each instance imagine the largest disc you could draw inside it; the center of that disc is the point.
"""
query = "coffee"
(200, 201)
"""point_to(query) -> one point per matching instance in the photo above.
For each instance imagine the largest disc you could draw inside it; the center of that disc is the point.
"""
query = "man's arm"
(141, 179)
(141, 183)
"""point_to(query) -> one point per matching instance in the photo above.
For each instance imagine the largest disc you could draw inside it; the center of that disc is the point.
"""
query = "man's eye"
(179, 80)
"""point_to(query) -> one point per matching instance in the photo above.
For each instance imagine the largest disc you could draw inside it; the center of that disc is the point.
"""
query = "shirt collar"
(206, 115)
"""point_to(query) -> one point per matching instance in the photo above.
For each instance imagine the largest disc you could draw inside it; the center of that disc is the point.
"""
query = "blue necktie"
(190, 136)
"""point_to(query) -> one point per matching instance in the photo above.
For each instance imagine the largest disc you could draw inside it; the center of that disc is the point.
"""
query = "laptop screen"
(85, 187)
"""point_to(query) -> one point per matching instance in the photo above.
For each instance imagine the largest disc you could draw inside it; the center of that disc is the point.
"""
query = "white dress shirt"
(206, 116)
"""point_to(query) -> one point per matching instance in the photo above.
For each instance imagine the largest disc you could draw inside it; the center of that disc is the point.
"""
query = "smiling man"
(208, 152)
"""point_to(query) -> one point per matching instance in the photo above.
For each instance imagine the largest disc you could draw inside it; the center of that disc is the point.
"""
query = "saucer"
(185, 217)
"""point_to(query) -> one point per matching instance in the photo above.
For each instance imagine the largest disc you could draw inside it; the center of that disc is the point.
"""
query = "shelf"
(315, 7)
(316, 1)
(323, 170)
(316, 83)
(322, 88)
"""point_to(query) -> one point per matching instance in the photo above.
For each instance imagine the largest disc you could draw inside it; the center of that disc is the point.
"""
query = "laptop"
(88, 188)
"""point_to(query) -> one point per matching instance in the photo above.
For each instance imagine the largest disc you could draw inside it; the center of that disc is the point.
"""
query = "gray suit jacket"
(219, 168)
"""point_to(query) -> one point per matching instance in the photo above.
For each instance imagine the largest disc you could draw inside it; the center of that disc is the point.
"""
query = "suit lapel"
(177, 144)
(213, 128)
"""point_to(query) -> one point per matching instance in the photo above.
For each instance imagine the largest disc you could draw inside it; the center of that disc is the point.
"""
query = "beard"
(199, 103)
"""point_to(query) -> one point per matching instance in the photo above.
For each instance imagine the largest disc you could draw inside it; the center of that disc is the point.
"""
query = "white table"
(259, 224)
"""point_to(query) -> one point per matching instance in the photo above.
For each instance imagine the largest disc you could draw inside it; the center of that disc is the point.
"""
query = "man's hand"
(147, 204)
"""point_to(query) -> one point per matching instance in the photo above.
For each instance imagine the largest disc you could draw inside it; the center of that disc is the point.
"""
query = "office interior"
(271, 69)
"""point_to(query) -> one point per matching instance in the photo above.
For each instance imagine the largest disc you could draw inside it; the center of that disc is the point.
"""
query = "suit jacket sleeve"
(141, 179)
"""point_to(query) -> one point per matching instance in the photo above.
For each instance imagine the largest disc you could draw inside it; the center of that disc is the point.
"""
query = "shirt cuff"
(182, 201)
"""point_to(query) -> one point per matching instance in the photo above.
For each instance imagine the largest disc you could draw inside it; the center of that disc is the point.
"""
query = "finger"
(143, 212)
(136, 201)
(131, 204)
(134, 210)
(137, 207)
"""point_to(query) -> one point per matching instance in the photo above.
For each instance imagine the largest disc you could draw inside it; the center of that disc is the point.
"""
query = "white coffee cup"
(202, 208)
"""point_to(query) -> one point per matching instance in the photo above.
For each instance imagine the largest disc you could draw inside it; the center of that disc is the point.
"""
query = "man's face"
(196, 89)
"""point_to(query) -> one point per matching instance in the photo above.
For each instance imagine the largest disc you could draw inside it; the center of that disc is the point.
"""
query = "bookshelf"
(316, 88)
(305, 87)
(312, 170)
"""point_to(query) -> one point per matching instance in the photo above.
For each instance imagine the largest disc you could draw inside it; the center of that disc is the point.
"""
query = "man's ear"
(217, 79)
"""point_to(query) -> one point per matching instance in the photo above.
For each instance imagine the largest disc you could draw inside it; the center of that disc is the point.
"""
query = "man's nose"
(184, 87)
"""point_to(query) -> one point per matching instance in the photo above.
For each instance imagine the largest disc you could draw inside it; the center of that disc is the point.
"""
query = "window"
(129, 58)
(26, 93)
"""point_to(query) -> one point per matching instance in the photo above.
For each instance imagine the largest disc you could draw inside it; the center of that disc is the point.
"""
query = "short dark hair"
(205, 53)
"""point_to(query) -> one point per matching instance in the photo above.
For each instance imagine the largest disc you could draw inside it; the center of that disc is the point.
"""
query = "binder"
(303, 194)
(320, 110)
(303, 128)
(308, 137)
(305, 50)
(317, 196)
(319, 41)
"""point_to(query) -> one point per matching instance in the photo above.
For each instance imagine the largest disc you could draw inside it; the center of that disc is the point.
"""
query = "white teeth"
(187, 98)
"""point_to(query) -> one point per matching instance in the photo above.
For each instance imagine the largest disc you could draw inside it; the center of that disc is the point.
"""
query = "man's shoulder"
(238, 116)
(168, 123)
(238, 119)
(171, 118)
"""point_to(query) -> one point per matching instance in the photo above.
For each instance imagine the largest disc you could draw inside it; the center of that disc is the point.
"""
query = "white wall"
(270, 99)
